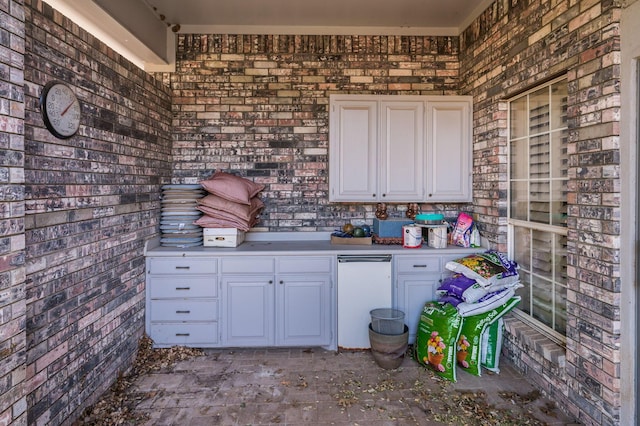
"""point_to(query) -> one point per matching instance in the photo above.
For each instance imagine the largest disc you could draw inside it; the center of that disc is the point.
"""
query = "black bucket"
(388, 349)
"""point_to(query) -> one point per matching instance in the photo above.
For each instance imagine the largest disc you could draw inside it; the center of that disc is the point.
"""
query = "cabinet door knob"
(270, 281)
(419, 266)
(183, 267)
(281, 282)
(183, 312)
(182, 334)
(183, 288)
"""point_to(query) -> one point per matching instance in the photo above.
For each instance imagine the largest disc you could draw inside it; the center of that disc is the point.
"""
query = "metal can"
(411, 236)
(437, 236)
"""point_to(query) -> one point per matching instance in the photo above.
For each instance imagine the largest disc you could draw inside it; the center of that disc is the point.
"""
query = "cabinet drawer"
(169, 265)
(418, 264)
(247, 265)
(174, 286)
(186, 334)
(305, 264)
(184, 310)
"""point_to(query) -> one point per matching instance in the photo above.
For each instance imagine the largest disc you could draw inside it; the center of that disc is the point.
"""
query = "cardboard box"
(390, 228)
(222, 237)
(365, 241)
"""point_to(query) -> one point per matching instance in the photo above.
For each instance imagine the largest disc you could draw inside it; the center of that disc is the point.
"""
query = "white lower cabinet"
(270, 300)
(182, 301)
(417, 278)
(303, 315)
(276, 301)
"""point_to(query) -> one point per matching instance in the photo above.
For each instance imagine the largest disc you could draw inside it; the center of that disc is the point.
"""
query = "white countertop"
(297, 247)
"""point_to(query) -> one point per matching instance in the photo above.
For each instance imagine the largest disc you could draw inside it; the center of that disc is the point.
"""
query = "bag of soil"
(491, 346)
(438, 332)
(469, 345)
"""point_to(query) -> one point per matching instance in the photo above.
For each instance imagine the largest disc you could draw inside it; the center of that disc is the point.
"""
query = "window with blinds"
(538, 176)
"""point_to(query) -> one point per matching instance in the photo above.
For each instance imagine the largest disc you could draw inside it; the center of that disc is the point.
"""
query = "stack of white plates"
(178, 214)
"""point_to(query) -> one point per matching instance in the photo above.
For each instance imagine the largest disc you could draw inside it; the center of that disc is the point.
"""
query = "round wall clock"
(60, 109)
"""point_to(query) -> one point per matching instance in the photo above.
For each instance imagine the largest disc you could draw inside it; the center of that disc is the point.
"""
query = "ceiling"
(325, 13)
(144, 30)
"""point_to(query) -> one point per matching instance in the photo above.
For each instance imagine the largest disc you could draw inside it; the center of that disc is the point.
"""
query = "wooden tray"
(387, 240)
(364, 241)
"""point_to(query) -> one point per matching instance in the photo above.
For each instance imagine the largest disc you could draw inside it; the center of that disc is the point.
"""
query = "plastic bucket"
(387, 321)
(388, 349)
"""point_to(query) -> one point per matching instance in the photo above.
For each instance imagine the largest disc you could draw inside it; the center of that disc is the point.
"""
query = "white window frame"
(547, 330)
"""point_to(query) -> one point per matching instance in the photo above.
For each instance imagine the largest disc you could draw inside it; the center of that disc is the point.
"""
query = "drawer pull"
(419, 266)
(183, 267)
(183, 312)
(183, 288)
(183, 334)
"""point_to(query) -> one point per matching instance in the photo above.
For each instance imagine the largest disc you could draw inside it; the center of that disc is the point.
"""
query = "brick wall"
(13, 406)
(515, 45)
(91, 201)
(257, 105)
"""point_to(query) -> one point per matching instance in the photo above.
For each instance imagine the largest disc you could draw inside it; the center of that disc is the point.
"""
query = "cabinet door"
(248, 303)
(449, 173)
(303, 314)
(352, 150)
(402, 156)
(413, 292)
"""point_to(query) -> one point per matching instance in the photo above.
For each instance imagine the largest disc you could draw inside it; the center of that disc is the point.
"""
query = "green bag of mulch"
(438, 332)
(469, 344)
(491, 344)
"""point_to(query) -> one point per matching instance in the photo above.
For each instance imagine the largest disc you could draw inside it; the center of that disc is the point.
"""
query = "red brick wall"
(257, 105)
(91, 201)
(513, 46)
(13, 407)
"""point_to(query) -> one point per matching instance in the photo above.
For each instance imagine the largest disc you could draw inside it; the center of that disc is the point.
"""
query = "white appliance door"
(364, 283)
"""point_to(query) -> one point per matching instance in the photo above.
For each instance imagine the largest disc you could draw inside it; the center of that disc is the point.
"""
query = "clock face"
(60, 109)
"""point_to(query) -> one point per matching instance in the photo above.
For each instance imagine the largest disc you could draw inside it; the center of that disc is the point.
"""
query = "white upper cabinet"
(376, 149)
(385, 148)
(449, 151)
(401, 149)
(353, 149)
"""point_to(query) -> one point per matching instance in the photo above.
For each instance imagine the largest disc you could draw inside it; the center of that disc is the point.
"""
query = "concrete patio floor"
(318, 387)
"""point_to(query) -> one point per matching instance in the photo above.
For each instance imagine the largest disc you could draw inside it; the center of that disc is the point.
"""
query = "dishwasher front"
(364, 283)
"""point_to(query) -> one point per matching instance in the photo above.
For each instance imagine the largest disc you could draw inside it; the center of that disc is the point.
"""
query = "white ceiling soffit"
(144, 30)
(395, 17)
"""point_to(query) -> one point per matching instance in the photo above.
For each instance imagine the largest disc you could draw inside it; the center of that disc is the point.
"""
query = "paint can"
(437, 236)
(411, 236)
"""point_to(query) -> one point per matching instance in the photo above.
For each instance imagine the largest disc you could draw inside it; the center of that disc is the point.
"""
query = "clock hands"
(64, 111)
